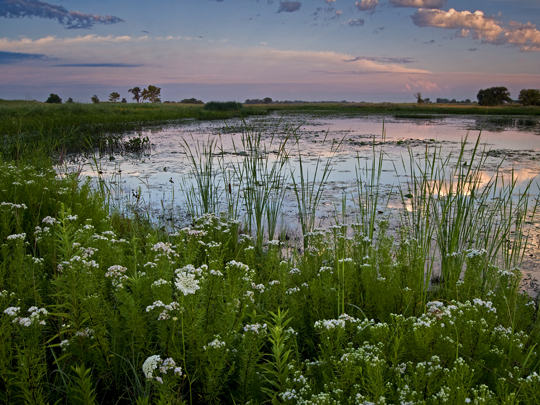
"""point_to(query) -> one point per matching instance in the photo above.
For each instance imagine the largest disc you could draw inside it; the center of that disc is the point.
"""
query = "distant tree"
(152, 94)
(54, 99)
(191, 101)
(427, 100)
(468, 101)
(136, 91)
(493, 96)
(69, 100)
(529, 97)
(114, 97)
(418, 97)
(267, 100)
(124, 100)
(95, 99)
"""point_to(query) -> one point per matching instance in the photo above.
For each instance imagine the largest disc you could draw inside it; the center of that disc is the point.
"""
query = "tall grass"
(204, 189)
(452, 203)
(308, 188)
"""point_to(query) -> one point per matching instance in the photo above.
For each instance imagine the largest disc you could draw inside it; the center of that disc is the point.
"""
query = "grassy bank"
(401, 108)
(24, 116)
(26, 125)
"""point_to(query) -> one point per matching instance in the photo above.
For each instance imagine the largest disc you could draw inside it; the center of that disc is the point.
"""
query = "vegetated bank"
(403, 108)
(97, 307)
(77, 126)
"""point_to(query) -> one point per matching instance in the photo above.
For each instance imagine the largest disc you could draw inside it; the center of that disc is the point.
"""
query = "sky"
(312, 50)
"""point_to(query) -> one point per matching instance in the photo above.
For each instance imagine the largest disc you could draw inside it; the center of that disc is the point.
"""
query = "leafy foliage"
(529, 97)
(152, 94)
(493, 96)
(114, 97)
(136, 91)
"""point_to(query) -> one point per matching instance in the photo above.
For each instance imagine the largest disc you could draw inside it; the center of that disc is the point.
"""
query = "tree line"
(493, 96)
(151, 93)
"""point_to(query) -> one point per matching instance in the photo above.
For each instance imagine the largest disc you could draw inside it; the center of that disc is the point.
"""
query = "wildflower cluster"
(37, 316)
(154, 365)
(165, 311)
(117, 275)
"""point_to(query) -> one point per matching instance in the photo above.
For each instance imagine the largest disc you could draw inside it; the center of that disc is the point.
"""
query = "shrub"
(222, 106)
(54, 99)
(191, 101)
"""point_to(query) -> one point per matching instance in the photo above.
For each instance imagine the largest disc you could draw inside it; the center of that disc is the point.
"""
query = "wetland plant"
(96, 306)
(99, 308)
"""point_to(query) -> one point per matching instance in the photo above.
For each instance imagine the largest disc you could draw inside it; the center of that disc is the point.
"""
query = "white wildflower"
(20, 236)
(186, 282)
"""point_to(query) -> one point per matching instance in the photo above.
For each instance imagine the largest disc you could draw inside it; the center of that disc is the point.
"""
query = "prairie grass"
(99, 307)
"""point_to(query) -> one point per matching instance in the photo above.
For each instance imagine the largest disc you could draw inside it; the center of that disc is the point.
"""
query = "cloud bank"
(487, 29)
(40, 9)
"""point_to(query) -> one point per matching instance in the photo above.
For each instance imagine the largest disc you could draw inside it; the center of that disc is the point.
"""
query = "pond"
(166, 182)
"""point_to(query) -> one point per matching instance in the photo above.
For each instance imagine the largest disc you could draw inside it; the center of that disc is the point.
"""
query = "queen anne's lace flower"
(150, 364)
(163, 366)
(186, 282)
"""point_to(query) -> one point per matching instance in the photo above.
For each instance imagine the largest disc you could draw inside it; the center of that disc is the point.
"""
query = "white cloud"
(487, 29)
(365, 5)
(525, 35)
(419, 3)
(483, 27)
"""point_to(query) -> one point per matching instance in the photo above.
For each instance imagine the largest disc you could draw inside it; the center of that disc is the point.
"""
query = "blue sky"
(366, 50)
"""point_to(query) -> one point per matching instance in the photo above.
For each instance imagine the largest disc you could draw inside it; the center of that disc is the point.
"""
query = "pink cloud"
(419, 3)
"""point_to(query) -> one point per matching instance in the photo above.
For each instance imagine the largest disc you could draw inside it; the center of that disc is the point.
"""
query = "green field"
(104, 307)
